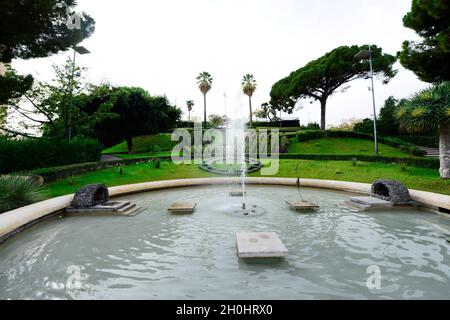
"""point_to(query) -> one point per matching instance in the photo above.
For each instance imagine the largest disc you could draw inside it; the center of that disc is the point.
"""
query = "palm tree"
(249, 87)
(204, 81)
(190, 105)
(428, 110)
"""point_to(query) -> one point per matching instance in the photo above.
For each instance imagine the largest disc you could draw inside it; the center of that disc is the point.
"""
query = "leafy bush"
(20, 155)
(303, 136)
(17, 192)
(307, 135)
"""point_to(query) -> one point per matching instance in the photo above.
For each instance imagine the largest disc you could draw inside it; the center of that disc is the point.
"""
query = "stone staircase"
(430, 152)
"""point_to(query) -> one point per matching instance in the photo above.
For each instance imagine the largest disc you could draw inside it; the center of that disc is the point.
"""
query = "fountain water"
(236, 147)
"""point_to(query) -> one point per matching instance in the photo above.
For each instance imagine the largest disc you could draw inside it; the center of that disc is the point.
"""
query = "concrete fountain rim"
(15, 221)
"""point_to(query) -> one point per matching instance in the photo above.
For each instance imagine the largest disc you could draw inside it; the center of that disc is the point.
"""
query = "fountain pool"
(156, 255)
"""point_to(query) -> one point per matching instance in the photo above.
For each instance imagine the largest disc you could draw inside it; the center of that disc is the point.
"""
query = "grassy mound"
(343, 146)
(144, 144)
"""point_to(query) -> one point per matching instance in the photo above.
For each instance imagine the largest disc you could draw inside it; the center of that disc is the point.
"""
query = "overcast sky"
(163, 45)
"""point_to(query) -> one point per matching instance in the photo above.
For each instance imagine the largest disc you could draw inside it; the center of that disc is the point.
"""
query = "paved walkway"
(106, 158)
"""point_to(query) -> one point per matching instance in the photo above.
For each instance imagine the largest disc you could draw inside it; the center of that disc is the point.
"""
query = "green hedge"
(424, 141)
(20, 155)
(57, 173)
(429, 163)
(303, 136)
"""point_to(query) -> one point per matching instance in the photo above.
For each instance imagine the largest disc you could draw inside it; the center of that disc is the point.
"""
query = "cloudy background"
(163, 45)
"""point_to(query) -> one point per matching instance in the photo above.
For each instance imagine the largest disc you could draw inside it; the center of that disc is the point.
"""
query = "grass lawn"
(143, 143)
(343, 146)
(414, 178)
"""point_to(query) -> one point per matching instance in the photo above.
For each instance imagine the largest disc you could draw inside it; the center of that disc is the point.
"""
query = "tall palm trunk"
(444, 147)
(251, 111)
(204, 103)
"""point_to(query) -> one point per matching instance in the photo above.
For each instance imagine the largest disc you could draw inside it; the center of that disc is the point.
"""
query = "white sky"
(163, 45)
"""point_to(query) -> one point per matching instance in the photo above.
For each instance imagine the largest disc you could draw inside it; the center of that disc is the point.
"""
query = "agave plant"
(17, 192)
(428, 110)
(249, 87)
(204, 81)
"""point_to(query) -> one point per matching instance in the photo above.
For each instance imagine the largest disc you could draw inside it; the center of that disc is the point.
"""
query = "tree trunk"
(204, 103)
(130, 145)
(323, 117)
(444, 147)
(251, 111)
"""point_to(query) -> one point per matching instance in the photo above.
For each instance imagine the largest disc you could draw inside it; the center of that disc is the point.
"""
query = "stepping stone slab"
(237, 193)
(182, 207)
(302, 205)
(260, 245)
(371, 202)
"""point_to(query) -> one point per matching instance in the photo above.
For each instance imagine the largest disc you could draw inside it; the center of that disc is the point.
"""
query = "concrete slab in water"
(260, 245)
(370, 202)
(237, 193)
(302, 205)
(183, 207)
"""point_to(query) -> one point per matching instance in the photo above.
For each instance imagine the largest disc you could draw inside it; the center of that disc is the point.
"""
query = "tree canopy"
(321, 78)
(428, 59)
(136, 113)
(37, 29)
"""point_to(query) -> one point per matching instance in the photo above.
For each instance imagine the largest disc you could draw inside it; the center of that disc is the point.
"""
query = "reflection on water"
(159, 256)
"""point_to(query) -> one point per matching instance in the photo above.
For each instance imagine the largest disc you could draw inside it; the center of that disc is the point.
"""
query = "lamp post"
(82, 51)
(367, 55)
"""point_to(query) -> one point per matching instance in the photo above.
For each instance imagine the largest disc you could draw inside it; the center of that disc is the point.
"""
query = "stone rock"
(391, 190)
(91, 196)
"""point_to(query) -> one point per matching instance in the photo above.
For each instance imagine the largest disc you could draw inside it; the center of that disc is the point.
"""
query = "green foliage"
(424, 141)
(20, 155)
(53, 107)
(427, 110)
(17, 192)
(216, 120)
(57, 173)
(144, 144)
(428, 59)
(308, 135)
(321, 78)
(365, 126)
(137, 113)
(13, 86)
(36, 29)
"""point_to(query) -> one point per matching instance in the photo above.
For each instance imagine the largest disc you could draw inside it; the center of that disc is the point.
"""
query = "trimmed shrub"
(57, 173)
(428, 163)
(17, 192)
(20, 155)
(307, 135)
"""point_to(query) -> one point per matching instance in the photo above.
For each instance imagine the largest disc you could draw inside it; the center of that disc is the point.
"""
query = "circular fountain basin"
(156, 255)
